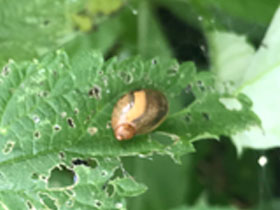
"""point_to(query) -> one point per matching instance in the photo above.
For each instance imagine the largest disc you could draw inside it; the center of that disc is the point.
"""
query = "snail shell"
(138, 112)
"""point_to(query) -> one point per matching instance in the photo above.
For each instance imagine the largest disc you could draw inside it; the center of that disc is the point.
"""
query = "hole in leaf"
(48, 200)
(44, 94)
(56, 128)
(90, 162)
(76, 111)
(172, 71)
(206, 116)
(117, 173)
(154, 61)
(71, 122)
(97, 203)
(35, 176)
(37, 134)
(109, 189)
(95, 92)
(36, 119)
(61, 155)
(80, 162)
(201, 85)
(126, 77)
(76, 179)
(70, 202)
(29, 205)
(104, 173)
(8, 147)
(43, 178)
(61, 177)
(6, 71)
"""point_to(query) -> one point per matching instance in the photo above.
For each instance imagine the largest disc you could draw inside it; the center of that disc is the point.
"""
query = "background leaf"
(228, 60)
(42, 26)
(250, 73)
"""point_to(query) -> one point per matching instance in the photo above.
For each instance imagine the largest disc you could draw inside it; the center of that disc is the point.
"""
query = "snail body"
(138, 112)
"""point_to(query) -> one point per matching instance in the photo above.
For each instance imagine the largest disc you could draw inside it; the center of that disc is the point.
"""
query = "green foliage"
(55, 106)
(32, 28)
(250, 72)
(243, 16)
(57, 149)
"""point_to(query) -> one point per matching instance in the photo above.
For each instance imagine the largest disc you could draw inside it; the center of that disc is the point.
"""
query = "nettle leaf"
(57, 146)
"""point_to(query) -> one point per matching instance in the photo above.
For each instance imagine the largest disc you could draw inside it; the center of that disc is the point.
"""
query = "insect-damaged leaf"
(55, 117)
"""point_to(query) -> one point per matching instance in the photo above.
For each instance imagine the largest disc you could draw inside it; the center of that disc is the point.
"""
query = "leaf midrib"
(257, 78)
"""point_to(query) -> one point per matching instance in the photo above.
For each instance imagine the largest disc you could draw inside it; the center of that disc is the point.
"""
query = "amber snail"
(138, 112)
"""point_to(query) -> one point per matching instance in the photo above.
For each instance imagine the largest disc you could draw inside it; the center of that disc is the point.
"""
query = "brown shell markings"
(138, 112)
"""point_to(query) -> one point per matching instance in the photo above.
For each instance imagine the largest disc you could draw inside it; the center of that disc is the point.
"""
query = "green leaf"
(54, 112)
(270, 204)
(243, 16)
(229, 60)
(102, 39)
(151, 40)
(256, 75)
(168, 183)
